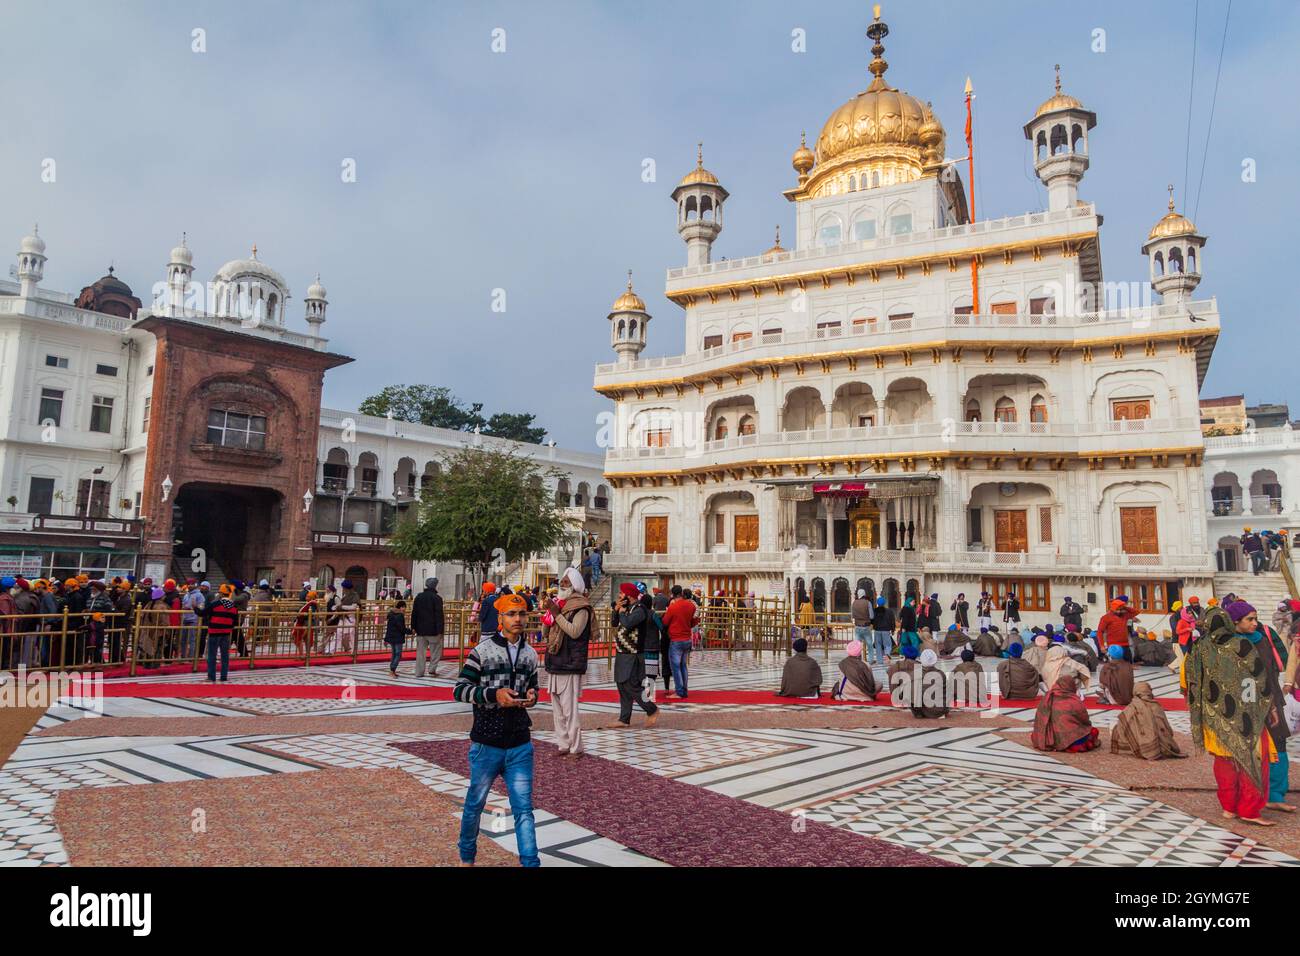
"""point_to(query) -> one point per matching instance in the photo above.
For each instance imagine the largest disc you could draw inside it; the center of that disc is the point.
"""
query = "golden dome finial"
(629, 301)
(1171, 197)
(629, 280)
(776, 249)
(699, 155)
(1058, 77)
(254, 250)
(804, 159)
(877, 32)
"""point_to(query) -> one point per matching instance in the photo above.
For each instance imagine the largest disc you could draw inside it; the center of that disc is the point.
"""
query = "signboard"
(156, 570)
(20, 565)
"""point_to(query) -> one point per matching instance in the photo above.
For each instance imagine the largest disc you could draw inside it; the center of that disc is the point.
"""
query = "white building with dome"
(907, 400)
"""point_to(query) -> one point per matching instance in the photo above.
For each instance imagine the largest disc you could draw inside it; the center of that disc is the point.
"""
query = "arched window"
(1037, 409)
(1077, 140)
(1004, 410)
(747, 425)
(631, 329)
(324, 577)
(1159, 264)
(622, 327)
(1191, 259)
(1040, 146)
(720, 430)
(1175, 260)
(973, 411)
(1060, 142)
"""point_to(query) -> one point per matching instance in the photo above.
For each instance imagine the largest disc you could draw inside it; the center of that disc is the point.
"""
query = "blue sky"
(521, 170)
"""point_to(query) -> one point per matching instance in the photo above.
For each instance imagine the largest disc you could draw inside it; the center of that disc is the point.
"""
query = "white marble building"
(847, 414)
(1252, 480)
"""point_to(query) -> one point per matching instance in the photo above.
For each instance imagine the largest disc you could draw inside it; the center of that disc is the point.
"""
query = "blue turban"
(1116, 652)
(7, 582)
(880, 602)
(968, 655)
(1015, 650)
(910, 652)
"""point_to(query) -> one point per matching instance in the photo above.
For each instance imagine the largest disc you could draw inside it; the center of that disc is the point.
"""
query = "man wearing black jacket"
(882, 632)
(1072, 613)
(634, 635)
(427, 622)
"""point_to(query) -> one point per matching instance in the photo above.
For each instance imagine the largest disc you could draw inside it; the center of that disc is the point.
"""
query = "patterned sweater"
(486, 670)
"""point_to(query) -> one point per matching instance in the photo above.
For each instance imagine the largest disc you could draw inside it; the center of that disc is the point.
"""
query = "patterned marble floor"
(964, 794)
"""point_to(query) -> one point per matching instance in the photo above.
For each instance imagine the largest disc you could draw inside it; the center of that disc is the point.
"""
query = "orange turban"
(510, 602)
(1116, 605)
(488, 587)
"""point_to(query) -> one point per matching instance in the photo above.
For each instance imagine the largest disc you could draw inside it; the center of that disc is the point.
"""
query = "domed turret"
(699, 197)
(180, 271)
(776, 249)
(31, 263)
(250, 290)
(803, 160)
(627, 323)
(1058, 141)
(1173, 248)
(315, 306)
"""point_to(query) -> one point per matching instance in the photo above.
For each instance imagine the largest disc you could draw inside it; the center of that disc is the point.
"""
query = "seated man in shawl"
(1116, 678)
(1016, 679)
(857, 682)
(802, 677)
(1079, 649)
(1061, 723)
(915, 683)
(1143, 729)
(1146, 650)
(970, 685)
(1058, 662)
(954, 640)
(986, 645)
(1035, 655)
(1244, 731)
(927, 640)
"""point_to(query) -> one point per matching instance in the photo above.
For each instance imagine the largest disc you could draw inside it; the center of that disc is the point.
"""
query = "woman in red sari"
(302, 625)
(1061, 722)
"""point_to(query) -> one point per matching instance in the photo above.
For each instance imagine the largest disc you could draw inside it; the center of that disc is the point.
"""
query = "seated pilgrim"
(1058, 662)
(1061, 723)
(915, 682)
(986, 645)
(954, 640)
(1016, 679)
(1116, 678)
(1143, 729)
(1079, 649)
(1158, 653)
(927, 641)
(802, 677)
(970, 686)
(856, 680)
(1035, 655)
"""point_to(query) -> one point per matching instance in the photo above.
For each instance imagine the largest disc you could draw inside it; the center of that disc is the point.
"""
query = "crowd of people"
(1264, 549)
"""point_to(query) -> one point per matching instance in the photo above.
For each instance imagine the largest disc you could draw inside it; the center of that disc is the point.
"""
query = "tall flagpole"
(970, 149)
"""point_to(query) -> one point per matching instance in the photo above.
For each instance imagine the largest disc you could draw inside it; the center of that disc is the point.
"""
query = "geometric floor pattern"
(964, 795)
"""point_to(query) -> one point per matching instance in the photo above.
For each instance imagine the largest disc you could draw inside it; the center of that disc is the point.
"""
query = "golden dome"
(629, 301)
(776, 250)
(1172, 223)
(804, 158)
(1059, 100)
(699, 174)
(882, 129)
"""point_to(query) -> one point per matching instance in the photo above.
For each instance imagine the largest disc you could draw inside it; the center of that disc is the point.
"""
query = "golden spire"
(629, 280)
(1058, 77)
(877, 32)
(1171, 197)
(699, 155)
(254, 250)
(776, 250)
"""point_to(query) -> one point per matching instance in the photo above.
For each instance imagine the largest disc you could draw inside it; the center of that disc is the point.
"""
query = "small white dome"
(181, 254)
(33, 243)
(253, 268)
(316, 290)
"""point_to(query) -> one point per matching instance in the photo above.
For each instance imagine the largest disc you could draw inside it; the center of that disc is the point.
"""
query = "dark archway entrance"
(235, 527)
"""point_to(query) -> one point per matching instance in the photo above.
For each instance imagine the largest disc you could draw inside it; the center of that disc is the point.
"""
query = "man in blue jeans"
(882, 632)
(500, 679)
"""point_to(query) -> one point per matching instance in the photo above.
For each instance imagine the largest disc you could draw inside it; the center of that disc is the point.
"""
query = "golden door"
(656, 534)
(745, 537)
(1138, 533)
(1010, 530)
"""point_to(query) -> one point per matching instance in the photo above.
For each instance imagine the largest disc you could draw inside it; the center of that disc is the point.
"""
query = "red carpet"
(398, 692)
(678, 823)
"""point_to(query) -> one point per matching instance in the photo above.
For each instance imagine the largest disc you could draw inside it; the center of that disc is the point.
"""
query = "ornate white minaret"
(1173, 248)
(699, 197)
(627, 321)
(316, 304)
(31, 263)
(1058, 143)
(180, 270)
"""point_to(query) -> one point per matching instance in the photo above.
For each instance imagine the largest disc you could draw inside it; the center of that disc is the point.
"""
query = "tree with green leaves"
(435, 405)
(517, 426)
(425, 405)
(486, 506)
